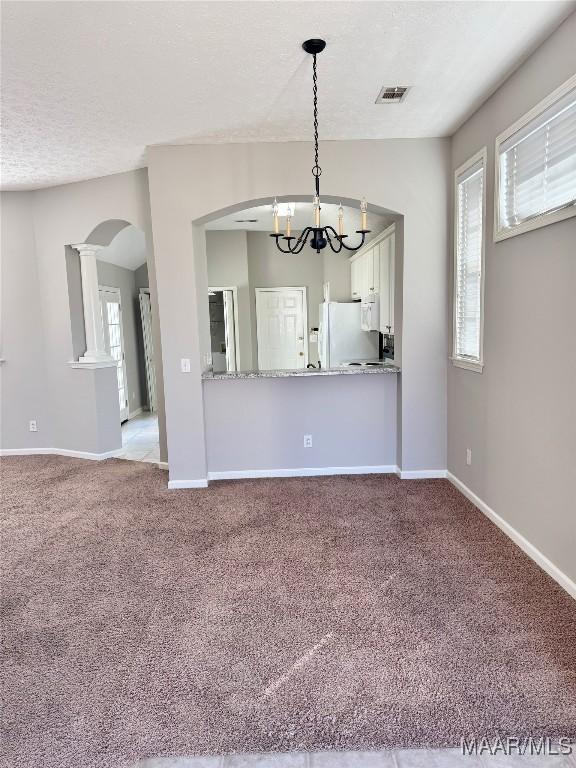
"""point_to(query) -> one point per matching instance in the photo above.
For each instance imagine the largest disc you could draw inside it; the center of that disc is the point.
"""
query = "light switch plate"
(185, 365)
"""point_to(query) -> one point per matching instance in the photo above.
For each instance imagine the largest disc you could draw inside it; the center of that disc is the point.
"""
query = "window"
(536, 166)
(470, 197)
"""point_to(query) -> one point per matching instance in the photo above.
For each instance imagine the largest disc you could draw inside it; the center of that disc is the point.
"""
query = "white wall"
(409, 177)
(352, 420)
(519, 415)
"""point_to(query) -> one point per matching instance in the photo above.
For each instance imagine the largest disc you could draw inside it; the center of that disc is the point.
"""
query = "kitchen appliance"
(370, 313)
(340, 338)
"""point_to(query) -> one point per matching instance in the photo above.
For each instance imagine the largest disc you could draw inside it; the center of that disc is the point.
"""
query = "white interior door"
(146, 316)
(281, 321)
(114, 341)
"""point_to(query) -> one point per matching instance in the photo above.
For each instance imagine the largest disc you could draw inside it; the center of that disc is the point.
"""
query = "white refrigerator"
(340, 338)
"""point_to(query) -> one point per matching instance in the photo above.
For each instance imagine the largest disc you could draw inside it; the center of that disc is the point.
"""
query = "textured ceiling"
(88, 85)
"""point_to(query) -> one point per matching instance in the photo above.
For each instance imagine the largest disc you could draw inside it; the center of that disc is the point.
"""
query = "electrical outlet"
(33, 425)
(185, 365)
(468, 456)
(307, 441)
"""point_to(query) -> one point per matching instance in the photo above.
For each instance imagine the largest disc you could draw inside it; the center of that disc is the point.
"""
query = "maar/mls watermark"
(511, 745)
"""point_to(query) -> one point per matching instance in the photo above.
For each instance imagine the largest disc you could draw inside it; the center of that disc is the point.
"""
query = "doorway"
(224, 329)
(281, 324)
(148, 344)
(111, 304)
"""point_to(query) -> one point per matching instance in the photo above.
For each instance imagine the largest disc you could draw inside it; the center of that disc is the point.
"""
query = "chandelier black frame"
(319, 236)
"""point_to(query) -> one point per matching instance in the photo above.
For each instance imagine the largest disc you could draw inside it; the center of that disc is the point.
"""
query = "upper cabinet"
(365, 273)
(372, 271)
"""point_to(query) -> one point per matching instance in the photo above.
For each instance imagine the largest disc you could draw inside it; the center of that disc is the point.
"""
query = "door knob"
(301, 354)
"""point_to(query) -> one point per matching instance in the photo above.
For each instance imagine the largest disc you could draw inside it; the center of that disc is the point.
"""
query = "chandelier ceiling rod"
(319, 236)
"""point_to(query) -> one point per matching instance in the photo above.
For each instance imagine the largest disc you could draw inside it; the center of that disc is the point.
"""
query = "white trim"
(421, 474)
(240, 474)
(470, 365)
(60, 452)
(176, 484)
(543, 219)
(116, 293)
(375, 241)
(547, 565)
(162, 465)
(133, 414)
(88, 365)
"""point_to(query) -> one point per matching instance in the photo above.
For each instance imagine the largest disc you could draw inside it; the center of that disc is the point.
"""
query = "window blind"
(468, 272)
(538, 165)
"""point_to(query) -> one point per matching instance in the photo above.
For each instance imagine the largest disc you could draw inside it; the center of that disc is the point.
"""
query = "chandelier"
(318, 236)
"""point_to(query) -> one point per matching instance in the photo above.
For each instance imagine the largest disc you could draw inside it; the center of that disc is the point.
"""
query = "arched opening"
(109, 273)
(239, 270)
(306, 425)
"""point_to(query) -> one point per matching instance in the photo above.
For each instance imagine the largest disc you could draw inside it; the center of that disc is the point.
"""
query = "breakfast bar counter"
(352, 370)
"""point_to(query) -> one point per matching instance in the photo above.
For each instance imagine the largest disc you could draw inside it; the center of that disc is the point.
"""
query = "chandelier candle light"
(319, 236)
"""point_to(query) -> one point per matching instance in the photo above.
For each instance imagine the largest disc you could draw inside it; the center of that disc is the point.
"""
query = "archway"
(331, 271)
(108, 274)
(273, 412)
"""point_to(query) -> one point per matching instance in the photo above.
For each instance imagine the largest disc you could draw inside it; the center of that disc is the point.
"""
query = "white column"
(95, 350)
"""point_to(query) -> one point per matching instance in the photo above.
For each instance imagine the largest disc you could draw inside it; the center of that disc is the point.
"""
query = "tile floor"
(140, 441)
(401, 758)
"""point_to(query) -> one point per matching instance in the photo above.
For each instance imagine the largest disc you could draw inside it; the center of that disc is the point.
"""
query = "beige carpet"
(265, 615)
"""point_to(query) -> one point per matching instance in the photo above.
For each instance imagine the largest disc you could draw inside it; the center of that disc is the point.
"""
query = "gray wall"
(125, 280)
(352, 420)
(268, 268)
(141, 277)
(409, 177)
(519, 415)
(75, 302)
(227, 260)
(23, 374)
(56, 218)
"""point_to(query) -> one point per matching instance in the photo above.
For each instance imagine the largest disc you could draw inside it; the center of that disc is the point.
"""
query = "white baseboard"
(421, 474)
(174, 484)
(137, 412)
(240, 474)
(60, 452)
(547, 565)
(162, 465)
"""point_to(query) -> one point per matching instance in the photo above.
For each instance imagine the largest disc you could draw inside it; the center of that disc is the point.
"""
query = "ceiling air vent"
(392, 95)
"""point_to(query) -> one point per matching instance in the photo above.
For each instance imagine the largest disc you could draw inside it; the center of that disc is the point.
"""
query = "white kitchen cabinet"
(365, 273)
(355, 279)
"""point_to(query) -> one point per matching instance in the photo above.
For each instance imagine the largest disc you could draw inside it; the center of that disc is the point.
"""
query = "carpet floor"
(357, 612)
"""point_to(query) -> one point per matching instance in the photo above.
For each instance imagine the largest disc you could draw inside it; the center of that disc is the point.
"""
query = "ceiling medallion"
(318, 236)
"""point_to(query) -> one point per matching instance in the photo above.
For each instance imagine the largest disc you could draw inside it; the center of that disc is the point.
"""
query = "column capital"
(87, 249)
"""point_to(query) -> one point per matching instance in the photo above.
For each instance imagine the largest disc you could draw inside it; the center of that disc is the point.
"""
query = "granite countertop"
(370, 370)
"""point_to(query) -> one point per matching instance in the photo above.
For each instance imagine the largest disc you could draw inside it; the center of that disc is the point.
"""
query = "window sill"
(469, 365)
(543, 220)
